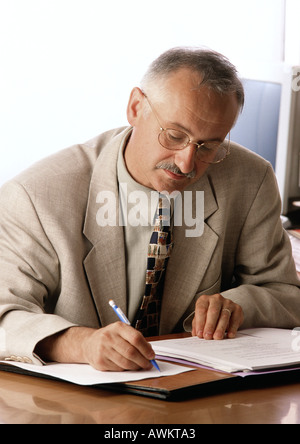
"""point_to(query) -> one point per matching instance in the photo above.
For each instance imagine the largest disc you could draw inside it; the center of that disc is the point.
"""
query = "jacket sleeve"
(29, 278)
(266, 282)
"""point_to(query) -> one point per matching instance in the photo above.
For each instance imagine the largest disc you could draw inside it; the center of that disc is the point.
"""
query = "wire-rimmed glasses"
(211, 152)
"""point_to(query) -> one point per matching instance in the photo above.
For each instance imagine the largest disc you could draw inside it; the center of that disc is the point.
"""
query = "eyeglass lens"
(209, 152)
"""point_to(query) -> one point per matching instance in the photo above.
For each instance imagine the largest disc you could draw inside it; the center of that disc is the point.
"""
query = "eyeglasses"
(212, 152)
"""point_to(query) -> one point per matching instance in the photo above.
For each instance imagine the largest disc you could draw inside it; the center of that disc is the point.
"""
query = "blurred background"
(67, 66)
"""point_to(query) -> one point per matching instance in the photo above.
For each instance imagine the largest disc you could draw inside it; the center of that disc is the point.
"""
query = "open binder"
(200, 382)
(197, 383)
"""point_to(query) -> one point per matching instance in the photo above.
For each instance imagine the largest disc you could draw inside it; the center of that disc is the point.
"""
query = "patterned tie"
(159, 252)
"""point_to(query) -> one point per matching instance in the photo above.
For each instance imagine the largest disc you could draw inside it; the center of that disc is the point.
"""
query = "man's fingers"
(200, 318)
(224, 321)
(207, 314)
(120, 347)
(137, 343)
(215, 316)
(236, 321)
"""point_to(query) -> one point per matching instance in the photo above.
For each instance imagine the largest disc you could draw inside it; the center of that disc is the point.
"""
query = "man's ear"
(135, 106)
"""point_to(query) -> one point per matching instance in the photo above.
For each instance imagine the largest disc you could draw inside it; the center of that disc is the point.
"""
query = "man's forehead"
(185, 85)
(183, 106)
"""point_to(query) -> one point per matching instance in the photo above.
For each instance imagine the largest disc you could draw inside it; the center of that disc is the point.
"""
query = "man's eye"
(176, 137)
(210, 146)
(205, 147)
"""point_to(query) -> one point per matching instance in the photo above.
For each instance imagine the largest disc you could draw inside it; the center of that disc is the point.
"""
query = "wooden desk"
(29, 400)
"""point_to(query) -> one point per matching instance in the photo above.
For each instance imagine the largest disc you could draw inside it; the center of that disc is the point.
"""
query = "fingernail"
(218, 335)
(208, 335)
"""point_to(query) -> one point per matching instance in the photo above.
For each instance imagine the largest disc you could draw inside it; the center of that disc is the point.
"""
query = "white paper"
(83, 374)
(296, 250)
(253, 349)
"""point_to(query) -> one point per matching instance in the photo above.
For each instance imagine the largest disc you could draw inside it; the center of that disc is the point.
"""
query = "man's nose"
(185, 159)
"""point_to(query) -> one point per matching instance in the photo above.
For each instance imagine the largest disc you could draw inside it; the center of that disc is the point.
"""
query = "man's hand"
(117, 347)
(214, 316)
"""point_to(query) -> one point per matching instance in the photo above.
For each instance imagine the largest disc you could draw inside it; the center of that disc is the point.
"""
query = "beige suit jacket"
(58, 268)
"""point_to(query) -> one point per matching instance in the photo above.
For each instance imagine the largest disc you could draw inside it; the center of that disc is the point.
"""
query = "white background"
(67, 66)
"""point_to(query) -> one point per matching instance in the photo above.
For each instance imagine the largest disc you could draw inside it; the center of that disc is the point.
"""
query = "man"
(60, 263)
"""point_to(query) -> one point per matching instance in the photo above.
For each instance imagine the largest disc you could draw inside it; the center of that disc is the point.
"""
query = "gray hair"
(216, 71)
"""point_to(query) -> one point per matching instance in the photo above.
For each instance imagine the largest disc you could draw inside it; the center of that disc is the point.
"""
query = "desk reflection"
(28, 400)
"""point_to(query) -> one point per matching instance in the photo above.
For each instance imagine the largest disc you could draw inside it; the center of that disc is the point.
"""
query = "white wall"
(292, 37)
(67, 66)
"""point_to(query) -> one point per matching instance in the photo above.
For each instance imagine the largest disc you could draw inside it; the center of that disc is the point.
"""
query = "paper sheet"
(296, 250)
(253, 349)
(86, 375)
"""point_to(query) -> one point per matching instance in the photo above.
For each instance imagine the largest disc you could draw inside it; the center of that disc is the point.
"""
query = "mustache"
(173, 168)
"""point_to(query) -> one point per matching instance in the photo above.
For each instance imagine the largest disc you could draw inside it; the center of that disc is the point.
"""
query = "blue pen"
(124, 319)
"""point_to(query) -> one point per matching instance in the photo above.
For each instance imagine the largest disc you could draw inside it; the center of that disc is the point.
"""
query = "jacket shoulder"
(240, 179)
(77, 160)
(60, 182)
(246, 158)
(242, 167)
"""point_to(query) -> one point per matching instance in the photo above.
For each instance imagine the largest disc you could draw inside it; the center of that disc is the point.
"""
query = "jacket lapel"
(188, 264)
(105, 264)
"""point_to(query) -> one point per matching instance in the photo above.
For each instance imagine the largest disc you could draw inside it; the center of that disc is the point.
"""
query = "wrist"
(66, 346)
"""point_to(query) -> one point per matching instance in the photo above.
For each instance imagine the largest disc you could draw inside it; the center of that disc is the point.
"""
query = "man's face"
(201, 113)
